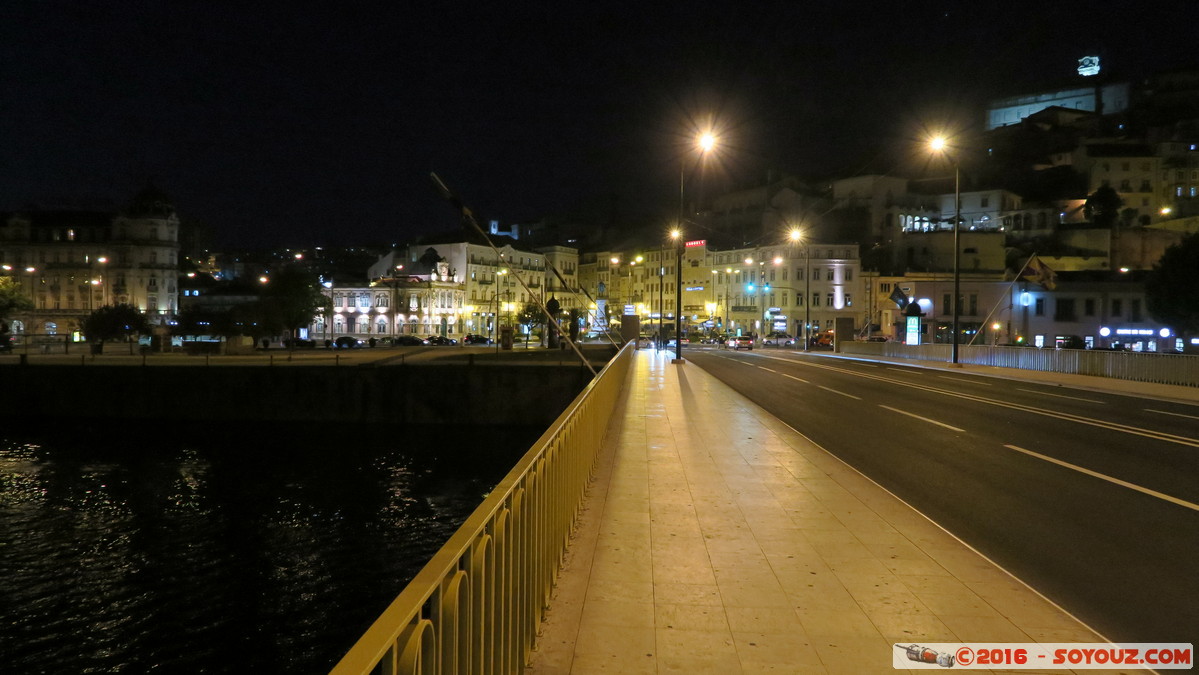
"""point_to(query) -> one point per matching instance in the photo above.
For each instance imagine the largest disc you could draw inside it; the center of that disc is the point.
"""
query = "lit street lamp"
(938, 145)
(706, 142)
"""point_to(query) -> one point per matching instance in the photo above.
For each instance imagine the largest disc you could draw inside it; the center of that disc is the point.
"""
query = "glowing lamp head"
(707, 142)
(937, 144)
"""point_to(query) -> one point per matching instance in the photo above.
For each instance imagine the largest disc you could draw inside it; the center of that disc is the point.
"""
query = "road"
(1090, 498)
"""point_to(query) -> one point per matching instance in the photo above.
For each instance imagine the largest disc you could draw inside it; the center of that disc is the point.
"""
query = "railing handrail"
(404, 615)
(1176, 369)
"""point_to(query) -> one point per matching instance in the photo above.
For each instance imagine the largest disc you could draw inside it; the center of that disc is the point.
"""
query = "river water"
(139, 548)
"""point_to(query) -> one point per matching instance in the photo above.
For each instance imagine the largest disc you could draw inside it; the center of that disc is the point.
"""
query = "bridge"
(665, 523)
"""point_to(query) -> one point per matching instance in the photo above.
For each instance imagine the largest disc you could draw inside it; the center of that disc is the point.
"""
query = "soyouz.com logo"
(1034, 655)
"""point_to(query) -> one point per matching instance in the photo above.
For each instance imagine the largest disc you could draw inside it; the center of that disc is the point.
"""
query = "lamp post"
(706, 142)
(938, 144)
(795, 236)
(677, 235)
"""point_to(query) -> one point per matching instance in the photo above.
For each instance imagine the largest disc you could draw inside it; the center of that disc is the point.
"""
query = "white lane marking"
(769, 370)
(1072, 398)
(1091, 421)
(1163, 412)
(923, 419)
(856, 398)
(1117, 481)
(795, 378)
(964, 380)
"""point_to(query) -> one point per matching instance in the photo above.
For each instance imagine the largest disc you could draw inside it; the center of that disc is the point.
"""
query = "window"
(848, 274)
(1065, 310)
(828, 274)
(946, 307)
(815, 299)
(815, 274)
(828, 300)
(985, 202)
(1039, 308)
(848, 300)
(973, 304)
(1088, 307)
(1135, 310)
(1117, 307)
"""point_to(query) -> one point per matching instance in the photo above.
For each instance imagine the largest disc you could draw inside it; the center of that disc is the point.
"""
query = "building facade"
(70, 262)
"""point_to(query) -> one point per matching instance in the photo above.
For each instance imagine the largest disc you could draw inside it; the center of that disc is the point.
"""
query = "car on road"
(739, 342)
(409, 341)
(670, 342)
(347, 342)
(441, 341)
(477, 340)
(777, 339)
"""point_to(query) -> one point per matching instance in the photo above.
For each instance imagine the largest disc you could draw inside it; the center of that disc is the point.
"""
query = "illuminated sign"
(697, 242)
(695, 288)
(913, 330)
(1088, 65)
(1134, 331)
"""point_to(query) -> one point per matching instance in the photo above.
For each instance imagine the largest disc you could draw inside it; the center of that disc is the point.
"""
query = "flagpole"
(1009, 291)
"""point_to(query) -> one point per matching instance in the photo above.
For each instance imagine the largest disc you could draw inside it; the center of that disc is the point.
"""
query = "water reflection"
(137, 549)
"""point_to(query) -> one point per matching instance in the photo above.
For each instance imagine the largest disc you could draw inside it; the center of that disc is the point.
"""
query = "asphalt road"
(1090, 498)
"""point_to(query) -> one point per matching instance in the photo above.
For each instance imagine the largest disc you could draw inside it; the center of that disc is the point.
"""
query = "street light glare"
(795, 234)
(675, 234)
(707, 142)
(937, 144)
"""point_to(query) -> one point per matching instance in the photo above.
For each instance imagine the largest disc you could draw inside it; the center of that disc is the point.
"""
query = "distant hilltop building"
(1090, 95)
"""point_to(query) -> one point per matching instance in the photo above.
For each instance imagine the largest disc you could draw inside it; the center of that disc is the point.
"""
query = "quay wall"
(442, 394)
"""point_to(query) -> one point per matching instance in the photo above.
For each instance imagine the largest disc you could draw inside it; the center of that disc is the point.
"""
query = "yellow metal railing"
(476, 605)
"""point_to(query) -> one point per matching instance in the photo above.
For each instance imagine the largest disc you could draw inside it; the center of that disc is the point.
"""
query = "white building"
(73, 261)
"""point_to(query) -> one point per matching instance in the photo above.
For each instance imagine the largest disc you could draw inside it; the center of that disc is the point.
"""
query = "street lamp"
(795, 236)
(677, 236)
(705, 143)
(938, 145)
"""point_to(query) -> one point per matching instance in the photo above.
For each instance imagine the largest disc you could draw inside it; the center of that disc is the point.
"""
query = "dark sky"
(305, 123)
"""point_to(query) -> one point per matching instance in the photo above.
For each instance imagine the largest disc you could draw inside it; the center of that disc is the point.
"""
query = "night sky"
(305, 123)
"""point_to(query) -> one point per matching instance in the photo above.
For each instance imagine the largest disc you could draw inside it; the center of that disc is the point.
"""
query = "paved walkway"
(715, 539)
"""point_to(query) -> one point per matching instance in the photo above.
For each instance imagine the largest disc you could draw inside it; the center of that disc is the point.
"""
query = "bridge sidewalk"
(715, 539)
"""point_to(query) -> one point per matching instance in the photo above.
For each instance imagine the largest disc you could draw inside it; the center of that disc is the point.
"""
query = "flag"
(1039, 273)
(899, 297)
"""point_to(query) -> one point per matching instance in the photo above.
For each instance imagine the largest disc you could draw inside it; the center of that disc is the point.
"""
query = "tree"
(1103, 206)
(531, 315)
(12, 300)
(1169, 289)
(290, 300)
(112, 322)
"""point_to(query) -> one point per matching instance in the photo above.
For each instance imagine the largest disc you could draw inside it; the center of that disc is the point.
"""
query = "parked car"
(739, 342)
(409, 341)
(347, 342)
(477, 340)
(441, 340)
(670, 342)
(777, 339)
